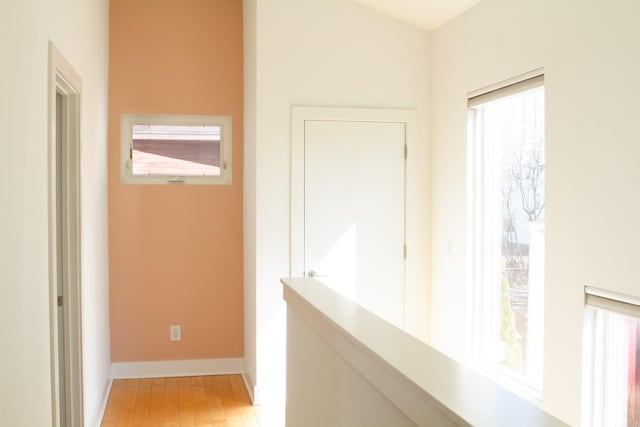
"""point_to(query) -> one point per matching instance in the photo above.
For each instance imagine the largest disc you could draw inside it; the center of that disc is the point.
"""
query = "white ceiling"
(426, 14)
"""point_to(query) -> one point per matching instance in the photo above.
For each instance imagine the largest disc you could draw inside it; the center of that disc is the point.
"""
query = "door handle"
(312, 274)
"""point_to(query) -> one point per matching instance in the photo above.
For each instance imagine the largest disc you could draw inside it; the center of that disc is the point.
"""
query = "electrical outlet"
(175, 332)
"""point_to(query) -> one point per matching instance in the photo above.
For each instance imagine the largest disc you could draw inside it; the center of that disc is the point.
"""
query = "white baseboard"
(103, 405)
(177, 368)
(254, 393)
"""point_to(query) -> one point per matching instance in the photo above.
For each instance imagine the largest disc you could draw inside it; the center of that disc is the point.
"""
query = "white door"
(354, 200)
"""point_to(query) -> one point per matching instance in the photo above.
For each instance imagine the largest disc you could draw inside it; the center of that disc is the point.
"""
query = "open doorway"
(64, 241)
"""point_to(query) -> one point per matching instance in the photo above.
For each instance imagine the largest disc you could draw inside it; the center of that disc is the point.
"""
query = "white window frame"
(482, 268)
(126, 143)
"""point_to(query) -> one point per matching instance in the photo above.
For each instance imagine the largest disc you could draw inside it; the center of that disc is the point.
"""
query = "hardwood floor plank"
(171, 416)
(125, 416)
(185, 403)
(157, 402)
(143, 404)
(243, 401)
(229, 403)
(212, 392)
(116, 400)
(209, 401)
(200, 405)
(235, 422)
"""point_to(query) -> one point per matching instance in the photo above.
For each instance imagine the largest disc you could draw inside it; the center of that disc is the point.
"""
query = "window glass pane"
(181, 150)
(633, 378)
(509, 145)
(612, 356)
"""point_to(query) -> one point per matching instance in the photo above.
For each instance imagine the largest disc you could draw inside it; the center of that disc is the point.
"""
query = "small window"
(176, 149)
(611, 368)
(506, 246)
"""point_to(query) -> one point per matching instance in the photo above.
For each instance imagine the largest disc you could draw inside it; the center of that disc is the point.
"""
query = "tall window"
(611, 376)
(507, 200)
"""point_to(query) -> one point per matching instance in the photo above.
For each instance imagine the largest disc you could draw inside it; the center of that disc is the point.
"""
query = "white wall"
(590, 53)
(324, 389)
(79, 29)
(308, 52)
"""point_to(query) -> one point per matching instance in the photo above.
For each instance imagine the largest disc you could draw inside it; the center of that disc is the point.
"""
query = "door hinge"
(405, 151)
(59, 300)
(130, 152)
(404, 252)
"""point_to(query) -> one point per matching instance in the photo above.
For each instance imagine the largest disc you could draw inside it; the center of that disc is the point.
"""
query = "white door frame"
(65, 81)
(416, 191)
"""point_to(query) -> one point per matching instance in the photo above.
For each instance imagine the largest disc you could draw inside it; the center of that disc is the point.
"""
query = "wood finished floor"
(213, 401)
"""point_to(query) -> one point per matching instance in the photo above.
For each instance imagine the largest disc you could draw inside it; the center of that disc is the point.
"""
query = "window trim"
(517, 84)
(126, 142)
(604, 299)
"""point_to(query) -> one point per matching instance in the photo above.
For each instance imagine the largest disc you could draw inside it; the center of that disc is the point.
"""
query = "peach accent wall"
(175, 251)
